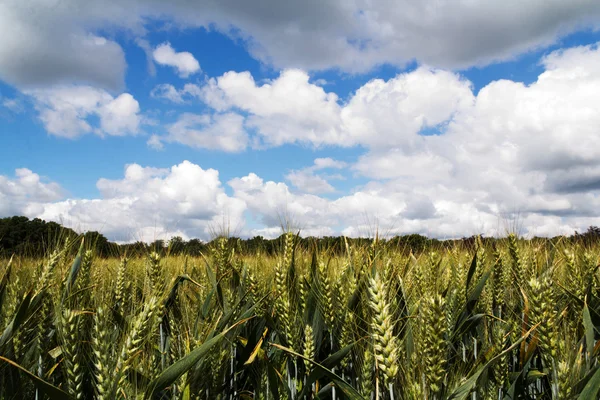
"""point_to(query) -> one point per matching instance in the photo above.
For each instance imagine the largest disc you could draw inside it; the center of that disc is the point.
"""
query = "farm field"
(285, 200)
(510, 318)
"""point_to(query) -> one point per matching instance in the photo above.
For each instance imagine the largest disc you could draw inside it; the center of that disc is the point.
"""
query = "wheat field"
(508, 319)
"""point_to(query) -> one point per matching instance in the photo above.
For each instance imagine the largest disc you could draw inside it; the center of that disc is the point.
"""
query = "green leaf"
(463, 391)
(471, 272)
(273, 381)
(591, 389)
(20, 316)
(579, 385)
(590, 342)
(333, 360)
(321, 371)
(177, 369)
(533, 375)
(474, 296)
(206, 304)
(4, 282)
(578, 300)
(468, 308)
(170, 301)
(589, 330)
(173, 372)
(468, 324)
(52, 391)
(73, 273)
(217, 287)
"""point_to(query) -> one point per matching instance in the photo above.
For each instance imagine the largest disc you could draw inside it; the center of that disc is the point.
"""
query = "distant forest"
(22, 236)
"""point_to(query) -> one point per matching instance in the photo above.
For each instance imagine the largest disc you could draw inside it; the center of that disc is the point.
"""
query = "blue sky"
(143, 121)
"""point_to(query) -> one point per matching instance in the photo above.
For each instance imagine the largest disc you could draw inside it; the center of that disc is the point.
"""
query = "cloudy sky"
(144, 119)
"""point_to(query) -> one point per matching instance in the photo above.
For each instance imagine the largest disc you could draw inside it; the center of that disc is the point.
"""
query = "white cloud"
(290, 109)
(25, 193)
(522, 149)
(358, 35)
(215, 132)
(184, 62)
(492, 139)
(14, 105)
(393, 208)
(558, 111)
(155, 142)
(151, 203)
(328, 162)
(512, 150)
(360, 213)
(390, 113)
(46, 43)
(386, 117)
(168, 92)
(120, 116)
(308, 181)
(65, 111)
(396, 163)
(145, 46)
(273, 201)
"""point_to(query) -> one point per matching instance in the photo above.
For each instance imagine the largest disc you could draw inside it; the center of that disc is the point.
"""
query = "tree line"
(34, 237)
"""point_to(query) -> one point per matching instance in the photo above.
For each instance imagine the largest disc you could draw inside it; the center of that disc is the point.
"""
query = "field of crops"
(507, 319)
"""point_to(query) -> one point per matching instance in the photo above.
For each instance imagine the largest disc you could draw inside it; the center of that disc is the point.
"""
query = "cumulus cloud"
(26, 192)
(271, 201)
(290, 109)
(12, 104)
(391, 208)
(548, 127)
(145, 46)
(307, 180)
(401, 107)
(120, 116)
(419, 207)
(510, 147)
(149, 203)
(47, 43)
(387, 116)
(215, 132)
(66, 110)
(360, 213)
(510, 150)
(155, 142)
(328, 162)
(527, 149)
(169, 92)
(184, 62)
(54, 43)
(364, 34)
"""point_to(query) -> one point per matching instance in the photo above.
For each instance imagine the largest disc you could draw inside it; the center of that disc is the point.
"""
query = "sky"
(144, 119)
